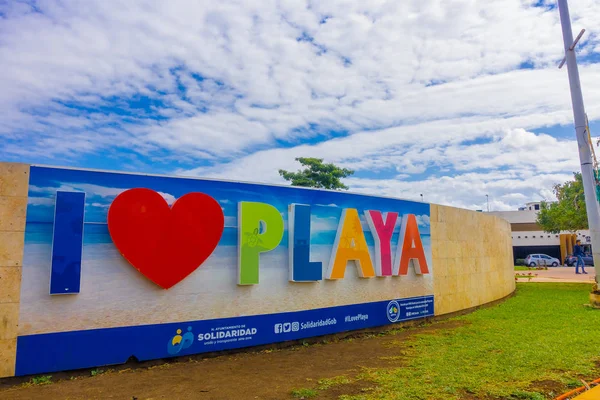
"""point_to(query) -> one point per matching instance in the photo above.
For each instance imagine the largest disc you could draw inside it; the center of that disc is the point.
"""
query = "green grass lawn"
(521, 268)
(544, 333)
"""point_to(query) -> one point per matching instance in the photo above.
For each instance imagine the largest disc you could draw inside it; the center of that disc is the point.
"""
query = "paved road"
(561, 274)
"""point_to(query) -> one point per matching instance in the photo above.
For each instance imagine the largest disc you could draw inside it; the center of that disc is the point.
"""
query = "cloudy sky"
(454, 99)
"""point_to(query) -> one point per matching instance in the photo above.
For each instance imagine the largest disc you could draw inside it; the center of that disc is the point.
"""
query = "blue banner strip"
(64, 351)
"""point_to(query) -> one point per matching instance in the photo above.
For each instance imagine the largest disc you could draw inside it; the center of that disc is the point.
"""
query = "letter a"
(350, 244)
(410, 248)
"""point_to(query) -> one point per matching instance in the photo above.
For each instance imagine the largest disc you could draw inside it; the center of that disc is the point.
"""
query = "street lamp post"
(487, 198)
(585, 155)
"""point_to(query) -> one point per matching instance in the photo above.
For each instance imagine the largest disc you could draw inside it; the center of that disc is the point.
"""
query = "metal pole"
(585, 156)
(488, 202)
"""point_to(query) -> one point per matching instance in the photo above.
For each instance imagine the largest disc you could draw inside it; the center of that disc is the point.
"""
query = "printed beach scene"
(113, 293)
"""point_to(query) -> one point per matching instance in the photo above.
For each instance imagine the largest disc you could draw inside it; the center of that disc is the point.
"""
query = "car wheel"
(555, 264)
(532, 265)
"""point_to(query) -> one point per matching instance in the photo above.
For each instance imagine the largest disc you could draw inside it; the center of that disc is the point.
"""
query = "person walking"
(578, 252)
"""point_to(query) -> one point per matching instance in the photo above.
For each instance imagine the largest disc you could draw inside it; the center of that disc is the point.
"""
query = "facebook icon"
(285, 327)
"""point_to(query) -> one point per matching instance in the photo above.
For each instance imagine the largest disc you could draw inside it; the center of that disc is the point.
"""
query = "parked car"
(541, 260)
(571, 260)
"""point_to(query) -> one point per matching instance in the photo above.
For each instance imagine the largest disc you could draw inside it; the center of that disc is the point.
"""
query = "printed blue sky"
(102, 188)
(454, 99)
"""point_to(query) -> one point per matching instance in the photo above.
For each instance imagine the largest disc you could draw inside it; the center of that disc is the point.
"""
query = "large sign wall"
(120, 265)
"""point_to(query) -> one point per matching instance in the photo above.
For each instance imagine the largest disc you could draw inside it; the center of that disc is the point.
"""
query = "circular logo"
(393, 311)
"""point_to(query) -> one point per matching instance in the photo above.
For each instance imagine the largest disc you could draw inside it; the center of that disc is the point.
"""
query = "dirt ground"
(268, 374)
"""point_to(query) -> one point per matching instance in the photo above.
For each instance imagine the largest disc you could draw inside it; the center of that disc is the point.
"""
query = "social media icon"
(295, 326)
(287, 327)
(278, 328)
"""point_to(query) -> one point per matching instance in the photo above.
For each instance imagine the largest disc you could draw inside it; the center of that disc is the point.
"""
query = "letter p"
(260, 230)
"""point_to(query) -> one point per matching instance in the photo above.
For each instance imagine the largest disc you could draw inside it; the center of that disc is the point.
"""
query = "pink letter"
(382, 233)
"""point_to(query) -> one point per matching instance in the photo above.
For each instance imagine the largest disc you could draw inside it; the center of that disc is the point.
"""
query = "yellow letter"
(350, 245)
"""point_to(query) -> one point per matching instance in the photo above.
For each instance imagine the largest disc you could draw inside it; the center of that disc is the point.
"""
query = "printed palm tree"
(252, 239)
(357, 230)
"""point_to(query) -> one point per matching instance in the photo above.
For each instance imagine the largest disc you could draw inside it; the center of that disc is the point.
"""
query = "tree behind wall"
(316, 174)
(568, 213)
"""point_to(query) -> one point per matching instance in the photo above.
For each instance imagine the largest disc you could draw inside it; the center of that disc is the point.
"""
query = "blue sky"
(453, 99)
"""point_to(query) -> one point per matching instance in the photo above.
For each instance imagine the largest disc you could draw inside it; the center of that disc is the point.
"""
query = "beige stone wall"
(472, 258)
(14, 183)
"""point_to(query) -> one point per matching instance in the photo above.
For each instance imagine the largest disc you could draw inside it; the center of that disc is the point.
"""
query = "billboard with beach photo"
(121, 265)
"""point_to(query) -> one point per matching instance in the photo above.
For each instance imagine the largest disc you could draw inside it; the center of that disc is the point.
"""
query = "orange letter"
(410, 248)
(350, 245)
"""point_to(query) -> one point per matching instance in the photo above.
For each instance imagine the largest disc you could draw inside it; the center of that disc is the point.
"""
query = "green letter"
(260, 228)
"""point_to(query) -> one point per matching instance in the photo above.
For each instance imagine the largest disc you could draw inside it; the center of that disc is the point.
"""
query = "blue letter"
(301, 268)
(67, 243)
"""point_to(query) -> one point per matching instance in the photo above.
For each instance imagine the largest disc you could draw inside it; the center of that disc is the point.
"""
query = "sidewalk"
(560, 274)
(592, 394)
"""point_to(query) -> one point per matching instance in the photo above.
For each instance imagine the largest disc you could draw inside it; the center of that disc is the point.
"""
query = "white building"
(529, 238)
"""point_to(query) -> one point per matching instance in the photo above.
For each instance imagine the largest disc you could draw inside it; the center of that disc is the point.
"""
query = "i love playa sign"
(157, 267)
(166, 244)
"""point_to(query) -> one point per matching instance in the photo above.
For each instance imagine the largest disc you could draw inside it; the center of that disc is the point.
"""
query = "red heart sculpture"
(164, 243)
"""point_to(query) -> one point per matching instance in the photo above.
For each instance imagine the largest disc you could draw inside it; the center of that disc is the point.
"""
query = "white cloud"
(169, 198)
(231, 222)
(429, 92)
(324, 224)
(97, 190)
(40, 201)
(422, 220)
(510, 161)
(108, 193)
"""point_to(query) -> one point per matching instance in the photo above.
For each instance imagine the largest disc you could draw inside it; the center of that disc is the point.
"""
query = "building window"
(525, 237)
(533, 237)
(518, 237)
(537, 206)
